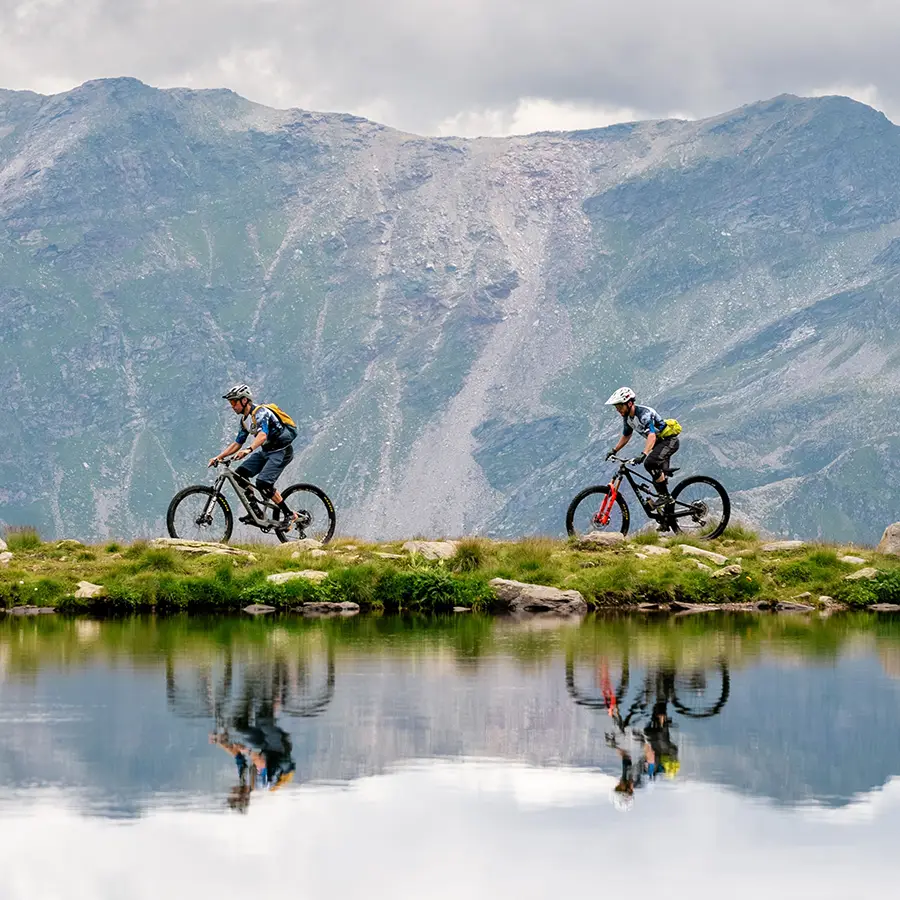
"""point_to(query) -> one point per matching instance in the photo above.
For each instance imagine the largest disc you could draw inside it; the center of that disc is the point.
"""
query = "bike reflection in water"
(643, 727)
(246, 702)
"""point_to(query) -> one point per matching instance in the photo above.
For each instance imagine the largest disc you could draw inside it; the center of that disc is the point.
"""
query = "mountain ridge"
(445, 316)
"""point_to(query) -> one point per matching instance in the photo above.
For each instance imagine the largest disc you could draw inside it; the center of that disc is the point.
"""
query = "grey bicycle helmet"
(238, 392)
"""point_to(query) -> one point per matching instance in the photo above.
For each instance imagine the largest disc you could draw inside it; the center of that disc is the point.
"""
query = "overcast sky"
(468, 66)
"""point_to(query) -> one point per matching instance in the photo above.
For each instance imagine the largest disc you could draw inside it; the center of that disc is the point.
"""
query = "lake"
(471, 757)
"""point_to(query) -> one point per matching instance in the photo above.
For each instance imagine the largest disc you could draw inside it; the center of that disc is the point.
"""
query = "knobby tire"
(323, 517)
(183, 499)
(715, 488)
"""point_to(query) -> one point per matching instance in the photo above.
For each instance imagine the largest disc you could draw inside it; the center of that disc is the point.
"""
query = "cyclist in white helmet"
(660, 438)
(273, 432)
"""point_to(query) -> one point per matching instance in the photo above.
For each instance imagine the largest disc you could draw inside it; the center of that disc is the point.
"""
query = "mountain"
(444, 317)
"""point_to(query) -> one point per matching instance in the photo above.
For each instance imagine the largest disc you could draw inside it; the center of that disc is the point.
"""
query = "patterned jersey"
(646, 420)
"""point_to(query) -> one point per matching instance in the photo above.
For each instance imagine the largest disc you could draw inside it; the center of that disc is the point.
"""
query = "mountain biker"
(272, 440)
(661, 438)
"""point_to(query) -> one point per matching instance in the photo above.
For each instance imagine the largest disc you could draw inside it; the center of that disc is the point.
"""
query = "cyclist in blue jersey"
(660, 439)
(271, 439)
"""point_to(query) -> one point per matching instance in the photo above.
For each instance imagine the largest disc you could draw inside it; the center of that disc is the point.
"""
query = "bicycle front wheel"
(315, 511)
(199, 514)
(582, 516)
(701, 508)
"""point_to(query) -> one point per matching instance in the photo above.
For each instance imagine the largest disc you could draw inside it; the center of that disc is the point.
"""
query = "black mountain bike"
(698, 506)
(700, 692)
(201, 513)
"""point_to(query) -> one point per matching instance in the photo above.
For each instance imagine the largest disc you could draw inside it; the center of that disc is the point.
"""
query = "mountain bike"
(698, 506)
(201, 513)
(697, 692)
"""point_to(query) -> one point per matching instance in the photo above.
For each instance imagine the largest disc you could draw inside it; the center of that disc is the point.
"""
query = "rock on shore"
(520, 597)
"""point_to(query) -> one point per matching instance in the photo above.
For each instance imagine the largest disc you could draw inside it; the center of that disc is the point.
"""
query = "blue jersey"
(264, 420)
(645, 420)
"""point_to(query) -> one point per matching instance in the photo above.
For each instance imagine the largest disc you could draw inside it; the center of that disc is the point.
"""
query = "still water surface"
(473, 757)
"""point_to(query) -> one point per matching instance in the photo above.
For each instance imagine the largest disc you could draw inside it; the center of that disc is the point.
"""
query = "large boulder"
(717, 558)
(519, 597)
(651, 549)
(890, 540)
(780, 546)
(308, 574)
(432, 549)
(324, 608)
(86, 590)
(206, 547)
(597, 540)
(793, 606)
(866, 574)
(304, 546)
(3, 545)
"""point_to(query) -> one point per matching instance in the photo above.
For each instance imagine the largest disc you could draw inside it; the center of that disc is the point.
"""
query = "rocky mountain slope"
(444, 316)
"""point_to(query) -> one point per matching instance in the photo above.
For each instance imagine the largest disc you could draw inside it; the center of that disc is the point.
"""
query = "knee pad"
(265, 489)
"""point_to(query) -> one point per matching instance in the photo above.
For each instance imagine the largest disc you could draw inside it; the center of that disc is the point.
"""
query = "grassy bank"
(140, 577)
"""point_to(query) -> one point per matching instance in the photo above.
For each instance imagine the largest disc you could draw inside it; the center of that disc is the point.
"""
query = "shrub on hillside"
(885, 588)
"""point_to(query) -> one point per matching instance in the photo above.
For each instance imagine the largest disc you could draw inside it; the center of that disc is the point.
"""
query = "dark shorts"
(658, 458)
(267, 465)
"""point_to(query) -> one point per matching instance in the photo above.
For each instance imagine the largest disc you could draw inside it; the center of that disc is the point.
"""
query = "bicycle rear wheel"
(582, 514)
(315, 511)
(199, 514)
(699, 696)
(701, 508)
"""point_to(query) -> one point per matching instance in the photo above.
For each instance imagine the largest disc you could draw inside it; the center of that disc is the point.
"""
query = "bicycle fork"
(205, 517)
(606, 507)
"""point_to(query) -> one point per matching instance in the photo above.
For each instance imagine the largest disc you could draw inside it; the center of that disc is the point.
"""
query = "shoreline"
(532, 576)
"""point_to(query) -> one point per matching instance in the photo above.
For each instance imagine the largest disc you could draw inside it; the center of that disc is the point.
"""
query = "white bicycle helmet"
(622, 395)
(238, 392)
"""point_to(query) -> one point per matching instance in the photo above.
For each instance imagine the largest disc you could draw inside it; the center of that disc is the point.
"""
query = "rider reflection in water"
(659, 754)
(263, 758)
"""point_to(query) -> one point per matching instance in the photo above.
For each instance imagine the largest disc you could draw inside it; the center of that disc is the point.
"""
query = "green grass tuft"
(22, 537)
(159, 559)
(470, 556)
(738, 533)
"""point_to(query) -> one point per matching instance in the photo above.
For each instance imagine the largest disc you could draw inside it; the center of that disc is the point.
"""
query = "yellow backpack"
(672, 428)
(283, 417)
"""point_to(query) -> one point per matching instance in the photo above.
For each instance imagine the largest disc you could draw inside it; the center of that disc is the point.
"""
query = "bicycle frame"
(639, 484)
(263, 522)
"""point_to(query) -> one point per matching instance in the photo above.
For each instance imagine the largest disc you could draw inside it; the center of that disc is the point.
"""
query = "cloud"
(535, 114)
(451, 829)
(466, 65)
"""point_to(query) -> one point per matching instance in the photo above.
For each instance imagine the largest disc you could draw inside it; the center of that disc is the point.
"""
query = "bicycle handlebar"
(621, 459)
